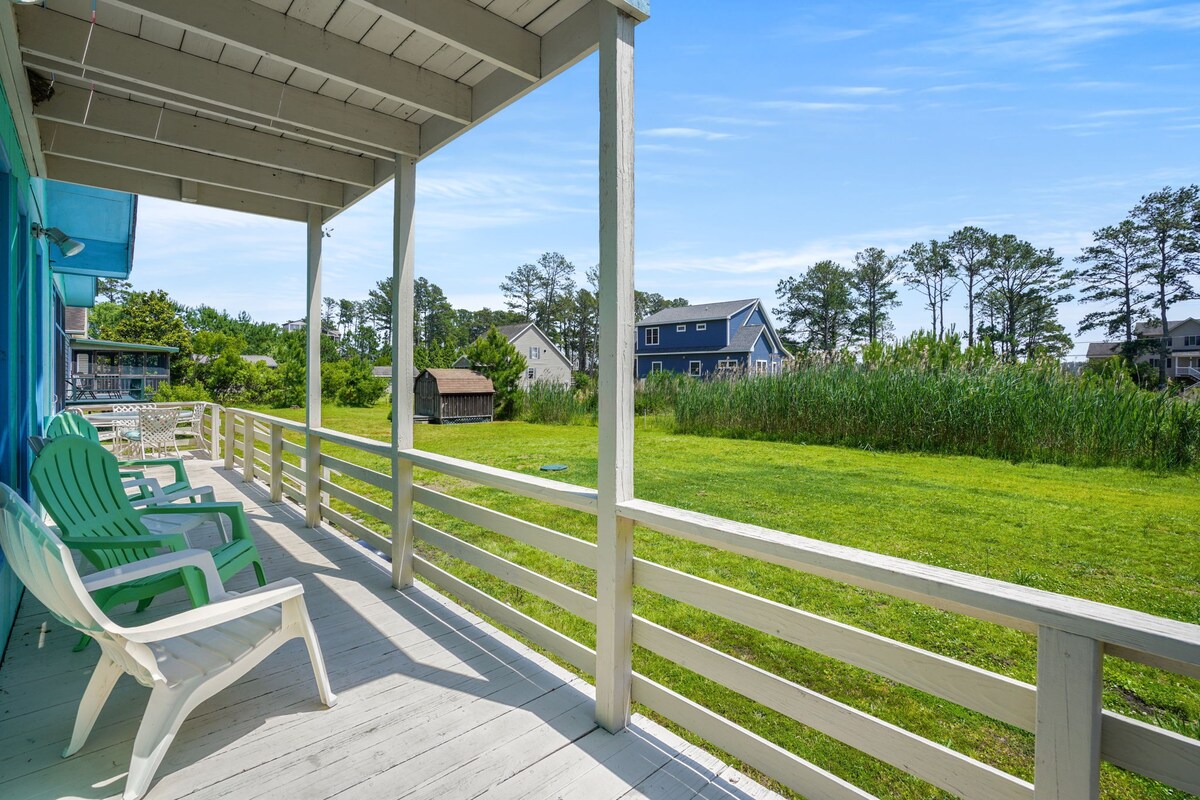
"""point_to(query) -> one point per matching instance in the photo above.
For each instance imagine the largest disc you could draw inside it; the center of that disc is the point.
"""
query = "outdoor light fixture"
(69, 246)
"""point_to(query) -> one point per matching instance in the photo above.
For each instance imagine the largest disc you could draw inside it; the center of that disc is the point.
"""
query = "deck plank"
(433, 701)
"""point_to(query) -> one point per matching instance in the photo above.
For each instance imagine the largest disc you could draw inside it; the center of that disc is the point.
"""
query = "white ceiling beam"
(571, 41)
(283, 38)
(83, 144)
(168, 74)
(15, 85)
(470, 28)
(103, 176)
(95, 110)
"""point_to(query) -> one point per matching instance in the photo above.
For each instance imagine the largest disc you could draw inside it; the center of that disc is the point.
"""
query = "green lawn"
(1112, 535)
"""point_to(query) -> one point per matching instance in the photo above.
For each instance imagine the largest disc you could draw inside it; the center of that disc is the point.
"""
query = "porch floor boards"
(433, 701)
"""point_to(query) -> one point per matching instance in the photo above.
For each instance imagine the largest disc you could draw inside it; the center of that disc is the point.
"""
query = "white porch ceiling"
(274, 105)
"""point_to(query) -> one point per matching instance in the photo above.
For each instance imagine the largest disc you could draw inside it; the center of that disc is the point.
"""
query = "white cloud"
(687, 133)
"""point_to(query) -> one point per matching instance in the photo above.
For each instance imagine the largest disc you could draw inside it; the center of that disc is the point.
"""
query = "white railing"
(1184, 372)
(1063, 711)
(209, 439)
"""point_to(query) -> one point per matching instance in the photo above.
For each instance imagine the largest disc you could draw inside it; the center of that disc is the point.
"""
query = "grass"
(1113, 535)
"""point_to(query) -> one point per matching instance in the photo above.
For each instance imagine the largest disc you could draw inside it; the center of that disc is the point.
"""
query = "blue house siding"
(26, 318)
(737, 332)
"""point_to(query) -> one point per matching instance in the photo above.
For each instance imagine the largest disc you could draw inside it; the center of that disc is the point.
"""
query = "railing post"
(614, 485)
(214, 432)
(1067, 737)
(276, 463)
(312, 481)
(248, 434)
(402, 366)
(230, 437)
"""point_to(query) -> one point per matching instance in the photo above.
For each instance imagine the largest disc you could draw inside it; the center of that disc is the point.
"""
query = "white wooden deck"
(433, 702)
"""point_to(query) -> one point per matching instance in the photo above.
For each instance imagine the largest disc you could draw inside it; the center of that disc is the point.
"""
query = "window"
(1191, 341)
(1168, 363)
(680, 328)
(531, 373)
(651, 335)
(694, 368)
(774, 367)
(656, 366)
(760, 366)
(701, 326)
(535, 353)
(727, 365)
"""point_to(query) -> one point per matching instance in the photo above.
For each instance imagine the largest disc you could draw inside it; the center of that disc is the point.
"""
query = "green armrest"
(174, 463)
(233, 511)
(172, 541)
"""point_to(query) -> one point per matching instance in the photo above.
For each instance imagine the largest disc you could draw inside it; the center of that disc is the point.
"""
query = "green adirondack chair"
(77, 482)
(68, 424)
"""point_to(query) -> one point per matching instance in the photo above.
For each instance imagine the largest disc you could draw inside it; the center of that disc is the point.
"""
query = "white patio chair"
(121, 443)
(237, 630)
(192, 426)
(155, 431)
(152, 494)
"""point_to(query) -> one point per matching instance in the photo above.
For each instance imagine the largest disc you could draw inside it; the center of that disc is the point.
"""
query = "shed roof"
(460, 381)
(270, 106)
(697, 313)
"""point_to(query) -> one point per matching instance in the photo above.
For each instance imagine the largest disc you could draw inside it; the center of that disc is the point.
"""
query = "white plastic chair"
(191, 427)
(238, 630)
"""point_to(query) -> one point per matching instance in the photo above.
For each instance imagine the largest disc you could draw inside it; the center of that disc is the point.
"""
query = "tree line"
(1132, 272)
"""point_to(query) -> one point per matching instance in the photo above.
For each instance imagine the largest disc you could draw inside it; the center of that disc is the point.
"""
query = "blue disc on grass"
(553, 467)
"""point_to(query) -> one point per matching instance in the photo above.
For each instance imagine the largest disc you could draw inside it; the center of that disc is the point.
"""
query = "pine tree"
(493, 355)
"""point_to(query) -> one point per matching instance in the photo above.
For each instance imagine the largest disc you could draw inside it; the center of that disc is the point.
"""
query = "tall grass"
(1019, 412)
(553, 404)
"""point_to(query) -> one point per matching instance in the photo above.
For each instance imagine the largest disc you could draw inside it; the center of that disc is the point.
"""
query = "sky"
(770, 135)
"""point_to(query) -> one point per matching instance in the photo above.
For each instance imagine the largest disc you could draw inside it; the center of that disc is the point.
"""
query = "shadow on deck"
(433, 702)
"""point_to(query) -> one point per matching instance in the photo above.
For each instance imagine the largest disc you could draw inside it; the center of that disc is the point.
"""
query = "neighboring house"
(453, 395)
(544, 361)
(710, 339)
(1183, 339)
(385, 372)
(293, 325)
(270, 362)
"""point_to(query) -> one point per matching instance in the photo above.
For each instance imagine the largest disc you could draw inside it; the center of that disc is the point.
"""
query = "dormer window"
(651, 336)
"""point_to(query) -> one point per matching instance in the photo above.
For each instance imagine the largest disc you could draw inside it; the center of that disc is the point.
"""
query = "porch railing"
(1063, 710)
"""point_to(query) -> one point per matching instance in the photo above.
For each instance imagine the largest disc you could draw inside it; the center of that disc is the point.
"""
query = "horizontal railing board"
(558, 493)
(355, 528)
(937, 586)
(295, 496)
(792, 771)
(293, 448)
(1153, 660)
(357, 501)
(372, 446)
(369, 476)
(1159, 754)
(551, 541)
(572, 600)
(995, 695)
(945, 768)
(564, 647)
(293, 471)
(286, 424)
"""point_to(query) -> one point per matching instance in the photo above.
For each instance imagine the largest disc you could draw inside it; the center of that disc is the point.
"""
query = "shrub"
(180, 393)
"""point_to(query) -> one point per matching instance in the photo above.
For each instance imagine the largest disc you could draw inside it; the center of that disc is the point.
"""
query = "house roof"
(385, 371)
(269, 107)
(744, 339)
(1155, 328)
(460, 381)
(697, 313)
(511, 332)
(270, 362)
(1102, 349)
(101, 344)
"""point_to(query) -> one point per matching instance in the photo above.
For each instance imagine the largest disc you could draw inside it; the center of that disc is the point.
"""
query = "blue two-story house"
(710, 339)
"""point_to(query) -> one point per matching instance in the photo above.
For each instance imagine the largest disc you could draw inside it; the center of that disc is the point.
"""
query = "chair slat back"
(157, 426)
(69, 424)
(45, 566)
(78, 482)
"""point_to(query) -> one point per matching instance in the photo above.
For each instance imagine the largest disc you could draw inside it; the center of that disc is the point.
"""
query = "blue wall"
(26, 343)
(670, 339)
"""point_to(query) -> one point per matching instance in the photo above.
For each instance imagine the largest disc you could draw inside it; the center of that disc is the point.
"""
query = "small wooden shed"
(454, 395)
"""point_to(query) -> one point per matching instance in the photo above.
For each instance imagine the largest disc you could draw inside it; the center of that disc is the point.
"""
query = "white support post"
(248, 436)
(214, 432)
(229, 439)
(1067, 737)
(276, 463)
(402, 366)
(312, 394)
(614, 535)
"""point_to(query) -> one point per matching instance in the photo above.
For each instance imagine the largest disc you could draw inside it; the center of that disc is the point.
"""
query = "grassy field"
(1113, 535)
